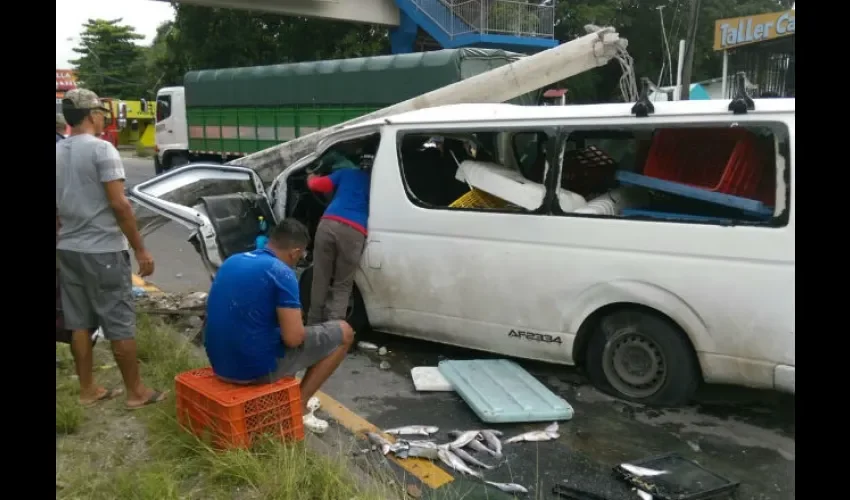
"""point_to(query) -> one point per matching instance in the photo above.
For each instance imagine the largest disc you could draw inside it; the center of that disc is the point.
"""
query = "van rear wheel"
(641, 357)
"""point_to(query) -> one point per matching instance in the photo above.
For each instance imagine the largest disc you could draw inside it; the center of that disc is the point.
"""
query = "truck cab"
(171, 136)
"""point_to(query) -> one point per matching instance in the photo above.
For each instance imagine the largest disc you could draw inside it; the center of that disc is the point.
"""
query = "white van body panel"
(470, 278)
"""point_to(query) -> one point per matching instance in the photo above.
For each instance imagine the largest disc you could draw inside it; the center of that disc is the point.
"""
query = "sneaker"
(315, 424)
(313, 404)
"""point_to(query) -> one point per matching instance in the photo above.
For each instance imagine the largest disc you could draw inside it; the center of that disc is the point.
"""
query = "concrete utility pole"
(693, 19)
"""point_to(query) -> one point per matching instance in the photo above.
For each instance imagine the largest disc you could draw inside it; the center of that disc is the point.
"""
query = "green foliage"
(109, 61)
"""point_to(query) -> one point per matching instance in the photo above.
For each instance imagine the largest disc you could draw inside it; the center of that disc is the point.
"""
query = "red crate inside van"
(725, 160)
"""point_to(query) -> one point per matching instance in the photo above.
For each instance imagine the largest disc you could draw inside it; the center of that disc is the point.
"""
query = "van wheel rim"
(634, 364)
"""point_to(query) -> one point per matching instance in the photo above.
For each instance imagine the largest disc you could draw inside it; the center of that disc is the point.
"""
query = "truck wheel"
(178, 160)
(356, 313)
(641, 357)
(157, 165)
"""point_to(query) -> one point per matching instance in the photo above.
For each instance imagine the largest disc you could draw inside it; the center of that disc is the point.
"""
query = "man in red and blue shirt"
(340, 238)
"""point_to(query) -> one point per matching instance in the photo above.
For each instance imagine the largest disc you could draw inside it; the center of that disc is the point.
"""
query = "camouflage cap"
(60, 120)
(84, 99)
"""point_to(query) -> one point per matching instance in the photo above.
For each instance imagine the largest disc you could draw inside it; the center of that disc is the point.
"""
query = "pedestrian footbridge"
(516, 25)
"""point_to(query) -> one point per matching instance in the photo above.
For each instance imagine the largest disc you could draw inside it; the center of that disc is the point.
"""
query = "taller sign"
(738, 31)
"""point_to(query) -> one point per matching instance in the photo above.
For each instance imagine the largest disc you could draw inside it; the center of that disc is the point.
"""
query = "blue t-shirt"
(351, 199)
(242, 336)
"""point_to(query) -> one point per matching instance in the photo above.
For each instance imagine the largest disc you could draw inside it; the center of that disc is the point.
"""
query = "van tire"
(356, 314)
(665, 370)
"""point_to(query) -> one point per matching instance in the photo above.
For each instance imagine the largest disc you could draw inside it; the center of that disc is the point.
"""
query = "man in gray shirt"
(94, 221)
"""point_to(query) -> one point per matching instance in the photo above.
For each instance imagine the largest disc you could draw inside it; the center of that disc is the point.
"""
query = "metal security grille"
(769, 66)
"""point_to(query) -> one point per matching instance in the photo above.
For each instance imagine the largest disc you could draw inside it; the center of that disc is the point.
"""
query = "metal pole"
(680, 66)
(693, 18)
(725, 74)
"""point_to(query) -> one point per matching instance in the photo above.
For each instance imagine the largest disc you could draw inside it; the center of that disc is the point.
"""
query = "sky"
(144, 15)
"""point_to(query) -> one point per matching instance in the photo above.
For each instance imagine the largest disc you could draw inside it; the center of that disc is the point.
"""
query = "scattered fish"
(422, 444)
(379, 441)
(493, 442)
(466, 457)
(423, 452)
(547, 434)
(447, 457)
(399, 446)
(508, 487)
(410, 430)
(463, 439)
(367, 346)
(478, 446)
(494, 432)
(382, 351)
(644, 495)
(642, 471)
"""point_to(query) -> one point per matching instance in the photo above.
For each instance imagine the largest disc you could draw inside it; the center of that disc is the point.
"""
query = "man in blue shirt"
(340, 238)
(255, 332)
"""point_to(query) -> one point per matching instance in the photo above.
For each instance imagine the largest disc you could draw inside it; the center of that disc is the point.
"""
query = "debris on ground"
(385, 365)
(429, 378)
(139, 292)
(672, 476)
(194, 300)
(382, 351)
(367, 346)
(413, 491)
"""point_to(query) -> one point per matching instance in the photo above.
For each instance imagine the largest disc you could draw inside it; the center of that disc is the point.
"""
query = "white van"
(658, 254)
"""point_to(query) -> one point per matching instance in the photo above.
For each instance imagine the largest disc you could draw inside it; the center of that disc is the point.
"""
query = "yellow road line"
(426, 471)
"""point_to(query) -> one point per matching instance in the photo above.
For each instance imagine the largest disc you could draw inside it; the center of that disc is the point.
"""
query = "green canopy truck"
(223, 114)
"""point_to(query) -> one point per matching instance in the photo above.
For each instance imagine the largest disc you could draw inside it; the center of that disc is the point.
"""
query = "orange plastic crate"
(233, 415)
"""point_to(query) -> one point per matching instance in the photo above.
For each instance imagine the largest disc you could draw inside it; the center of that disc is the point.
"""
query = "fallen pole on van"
(498, 85)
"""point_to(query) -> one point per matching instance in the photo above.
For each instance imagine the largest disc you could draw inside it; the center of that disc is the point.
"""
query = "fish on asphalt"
(478, 446)
(643, 495)
(493, 442)
(466, 457)
(447, 457)
(641, 471)
(508, 487)
(547, 434)
(422, 444)
(379, 441)
(463, 439)
(410, 430)
(420, 452)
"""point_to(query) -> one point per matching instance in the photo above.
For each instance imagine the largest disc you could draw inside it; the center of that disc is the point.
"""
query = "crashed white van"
(656, 254)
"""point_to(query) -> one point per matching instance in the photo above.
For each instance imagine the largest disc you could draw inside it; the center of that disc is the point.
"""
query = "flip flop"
(106, 396)
(156, 397)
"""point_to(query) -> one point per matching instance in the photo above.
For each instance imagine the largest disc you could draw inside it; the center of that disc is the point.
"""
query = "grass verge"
(106, 452)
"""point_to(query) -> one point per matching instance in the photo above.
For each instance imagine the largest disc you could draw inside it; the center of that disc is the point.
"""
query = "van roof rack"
(742, 102)
(643, 107)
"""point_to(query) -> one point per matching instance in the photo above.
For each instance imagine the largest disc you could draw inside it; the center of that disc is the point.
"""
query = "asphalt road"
(743, 435)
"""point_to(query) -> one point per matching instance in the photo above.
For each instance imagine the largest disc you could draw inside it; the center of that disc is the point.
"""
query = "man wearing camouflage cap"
(93, 225)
